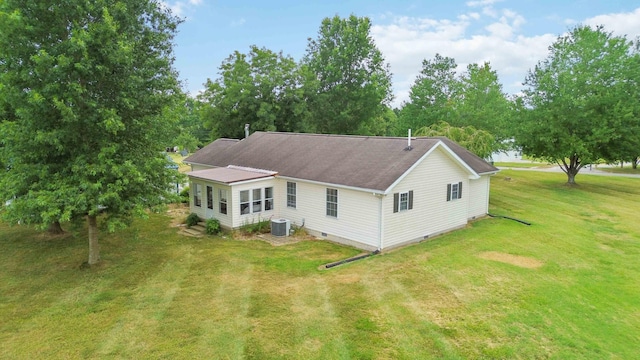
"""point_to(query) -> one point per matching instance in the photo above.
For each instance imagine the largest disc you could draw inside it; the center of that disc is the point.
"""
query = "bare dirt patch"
(521, 261)
(178, 213)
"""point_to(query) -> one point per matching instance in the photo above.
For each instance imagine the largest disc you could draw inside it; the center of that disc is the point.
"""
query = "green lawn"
(626, 170)
(177, 158)
(523, 165)
(567, 287)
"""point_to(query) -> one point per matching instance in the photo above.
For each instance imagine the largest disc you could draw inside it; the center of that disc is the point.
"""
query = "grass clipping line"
(521, 261)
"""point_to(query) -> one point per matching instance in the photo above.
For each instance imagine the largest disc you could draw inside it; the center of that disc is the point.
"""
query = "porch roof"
(230, 175)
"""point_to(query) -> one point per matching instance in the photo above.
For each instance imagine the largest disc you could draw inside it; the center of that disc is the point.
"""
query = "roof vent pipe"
(246, 131)
(408, 148)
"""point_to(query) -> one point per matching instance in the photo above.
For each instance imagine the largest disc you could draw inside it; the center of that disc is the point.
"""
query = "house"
(364, 191)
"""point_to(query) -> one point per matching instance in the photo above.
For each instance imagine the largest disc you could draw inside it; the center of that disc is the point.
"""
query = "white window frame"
(197, 195)
(222, 201)
(210, 202)
(332, 202)
(245, 203)
(403, 204)
(292, 194)
(268, 198)
(255, 200)
(454, 191)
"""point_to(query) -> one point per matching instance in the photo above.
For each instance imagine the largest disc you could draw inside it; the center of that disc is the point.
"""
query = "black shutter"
(460, 190)
(448, 192)
(410, 199)
(396, 200)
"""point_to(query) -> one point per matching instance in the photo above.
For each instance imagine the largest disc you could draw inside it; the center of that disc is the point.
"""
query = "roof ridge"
(342, 135)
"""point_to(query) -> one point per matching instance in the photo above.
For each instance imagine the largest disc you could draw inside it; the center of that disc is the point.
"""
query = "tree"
(578, 99)
(261, 88)
(347, 82)
(481, 103)
(88, 83)
(479, 142)
(432, 96)
(191, 132)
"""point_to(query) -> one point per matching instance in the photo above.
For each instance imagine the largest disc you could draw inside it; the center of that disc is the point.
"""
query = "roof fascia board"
(232, 183)
(456, 158)
(473, 173)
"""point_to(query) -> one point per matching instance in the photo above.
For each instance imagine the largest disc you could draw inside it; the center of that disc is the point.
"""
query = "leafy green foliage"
(192, 219)
(479, 142)
(474, 99)
(262, 226)
(346, 81)
(431, 98)
(261, 88)
(582, 101)
(88, 85)
(212, 226)
(184, 195)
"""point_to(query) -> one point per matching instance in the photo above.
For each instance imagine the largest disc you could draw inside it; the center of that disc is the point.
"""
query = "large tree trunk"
(55, 228)
(571, 169)
(94, 248)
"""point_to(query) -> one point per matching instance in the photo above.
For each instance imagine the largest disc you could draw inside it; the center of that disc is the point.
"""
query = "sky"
(512, 35)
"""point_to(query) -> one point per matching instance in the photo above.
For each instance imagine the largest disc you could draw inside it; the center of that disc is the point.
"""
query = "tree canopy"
(347, 82)
(261, 88)
(479, 142)
(581, 100)
(470, 103)
(86, 84)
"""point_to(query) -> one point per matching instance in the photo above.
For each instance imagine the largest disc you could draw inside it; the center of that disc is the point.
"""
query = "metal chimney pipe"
(409, 139)
(246, 131)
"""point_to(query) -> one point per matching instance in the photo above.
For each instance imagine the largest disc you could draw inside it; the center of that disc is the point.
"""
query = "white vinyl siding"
(357, 213)
(432, 213)
(479, 196)
(203, 211)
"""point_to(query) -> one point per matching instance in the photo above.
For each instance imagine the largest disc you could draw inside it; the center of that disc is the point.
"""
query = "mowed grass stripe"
(135, 332)
(460, 295)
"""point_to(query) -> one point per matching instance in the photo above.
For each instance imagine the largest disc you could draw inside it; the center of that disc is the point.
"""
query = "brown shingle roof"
(202, 156)
(367, 162)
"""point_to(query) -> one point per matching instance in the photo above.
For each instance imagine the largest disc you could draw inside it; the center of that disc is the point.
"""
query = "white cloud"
(179, 8)
(495, 37)
(407, 41)
(478, 3)
(620, 24)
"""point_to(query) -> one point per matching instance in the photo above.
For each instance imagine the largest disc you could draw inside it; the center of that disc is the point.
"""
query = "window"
(332, 202)
(209, 197)
(197, 195)
(403, 201)
(251, 200)
(291, 195)
(454, 191)
(268, 199)
(244, 202)
(257, 200)
(222, 201)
